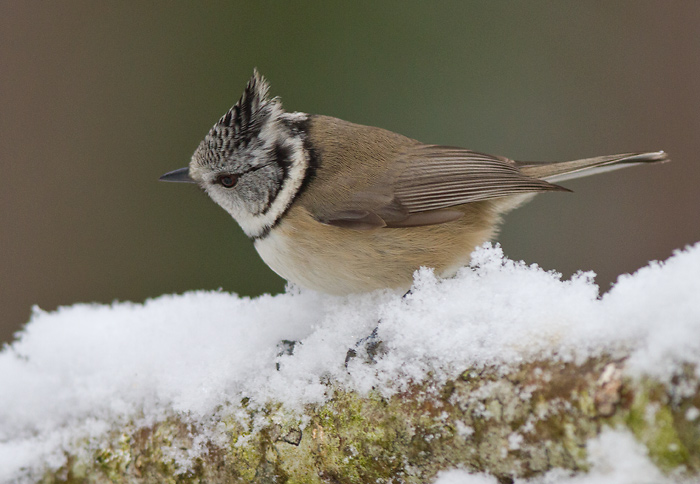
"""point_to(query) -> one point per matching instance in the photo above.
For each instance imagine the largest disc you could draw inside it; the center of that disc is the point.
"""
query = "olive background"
(97, 99)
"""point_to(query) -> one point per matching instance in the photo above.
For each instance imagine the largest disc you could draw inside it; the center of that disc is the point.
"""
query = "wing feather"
(427, 181)
(438, 177)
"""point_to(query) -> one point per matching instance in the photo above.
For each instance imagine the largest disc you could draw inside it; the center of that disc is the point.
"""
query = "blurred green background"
(97, 99)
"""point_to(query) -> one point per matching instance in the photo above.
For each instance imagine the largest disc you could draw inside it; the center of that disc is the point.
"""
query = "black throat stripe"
(301, 129)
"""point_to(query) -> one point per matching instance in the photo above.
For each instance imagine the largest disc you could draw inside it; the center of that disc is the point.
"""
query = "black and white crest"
(247, 117)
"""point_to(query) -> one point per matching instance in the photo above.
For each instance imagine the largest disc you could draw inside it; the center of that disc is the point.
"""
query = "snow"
(615, 458)
(75, 373)
(692, 414)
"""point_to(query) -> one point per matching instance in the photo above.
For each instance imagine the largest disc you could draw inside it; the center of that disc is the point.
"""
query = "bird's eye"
(227, 181)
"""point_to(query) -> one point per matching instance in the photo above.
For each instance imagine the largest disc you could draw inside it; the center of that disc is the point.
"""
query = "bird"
(343, 208)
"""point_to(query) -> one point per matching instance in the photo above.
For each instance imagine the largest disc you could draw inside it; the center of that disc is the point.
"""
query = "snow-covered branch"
(505, 370)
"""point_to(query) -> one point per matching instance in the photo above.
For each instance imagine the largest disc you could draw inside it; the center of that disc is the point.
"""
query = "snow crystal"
(77, 372)
(463, 430)
(514, 441)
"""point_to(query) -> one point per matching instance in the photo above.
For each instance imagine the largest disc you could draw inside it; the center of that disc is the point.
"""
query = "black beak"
(182, 176)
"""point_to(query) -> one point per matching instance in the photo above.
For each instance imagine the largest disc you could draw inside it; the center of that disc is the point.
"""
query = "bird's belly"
(342, 261)
(314, 269)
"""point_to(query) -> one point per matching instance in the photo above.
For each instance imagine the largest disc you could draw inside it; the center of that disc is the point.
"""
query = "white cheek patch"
(257, 225)
(223, 198)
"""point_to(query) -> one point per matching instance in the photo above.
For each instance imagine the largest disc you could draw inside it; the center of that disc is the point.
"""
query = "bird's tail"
(566, 170)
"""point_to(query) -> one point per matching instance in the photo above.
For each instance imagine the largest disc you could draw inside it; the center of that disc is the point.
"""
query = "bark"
(515, 424)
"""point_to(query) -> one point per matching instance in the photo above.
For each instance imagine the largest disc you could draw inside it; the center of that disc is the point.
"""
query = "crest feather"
(251, 109)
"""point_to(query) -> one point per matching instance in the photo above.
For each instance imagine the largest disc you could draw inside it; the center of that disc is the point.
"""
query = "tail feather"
(566, 170)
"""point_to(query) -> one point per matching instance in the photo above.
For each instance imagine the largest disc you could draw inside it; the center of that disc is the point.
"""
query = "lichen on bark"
(517, 423)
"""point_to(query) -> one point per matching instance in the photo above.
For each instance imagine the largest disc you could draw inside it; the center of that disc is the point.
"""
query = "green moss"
(651, 419)
(585, 403)
(354, 439)
(667, 449)
(521, 425)
(112, 464)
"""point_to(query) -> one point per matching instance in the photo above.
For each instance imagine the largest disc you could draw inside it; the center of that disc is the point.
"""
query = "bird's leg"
(372, 345)
(285, 348)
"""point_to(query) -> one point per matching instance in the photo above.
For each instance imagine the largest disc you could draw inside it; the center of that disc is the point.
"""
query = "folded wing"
(426, 182)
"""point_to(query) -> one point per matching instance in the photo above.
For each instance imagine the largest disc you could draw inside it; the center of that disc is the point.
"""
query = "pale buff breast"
(340, 261)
